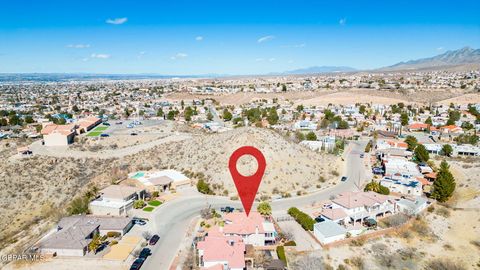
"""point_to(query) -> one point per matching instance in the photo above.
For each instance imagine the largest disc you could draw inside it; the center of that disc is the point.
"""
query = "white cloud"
(440, 49)
(259, 60)
(179, 56)
(342, 21)
(78, 46)
(301, 45)
(100, 56)
(199, 38)
(117, 20)
(265, 38)
(141, 54)
(271, 59)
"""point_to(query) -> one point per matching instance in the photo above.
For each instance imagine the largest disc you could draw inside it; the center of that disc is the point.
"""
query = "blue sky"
(227, 37)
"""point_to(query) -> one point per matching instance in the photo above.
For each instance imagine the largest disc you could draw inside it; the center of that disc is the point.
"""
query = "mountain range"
(463, 56)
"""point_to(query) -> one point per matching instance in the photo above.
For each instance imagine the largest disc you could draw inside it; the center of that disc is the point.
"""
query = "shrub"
(155, 194)
(204, 187)
(264, 209)
(302, 218)
(290, 243)
(154, 203)
(441, 264)
(113, 234)
(114, 242)
(138, 204)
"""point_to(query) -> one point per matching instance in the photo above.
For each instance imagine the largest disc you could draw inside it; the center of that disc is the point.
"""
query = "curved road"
(171, 221)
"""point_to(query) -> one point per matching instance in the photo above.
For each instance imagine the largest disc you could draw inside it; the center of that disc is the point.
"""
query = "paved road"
(216, 118)
(65, 151)
(172, 219)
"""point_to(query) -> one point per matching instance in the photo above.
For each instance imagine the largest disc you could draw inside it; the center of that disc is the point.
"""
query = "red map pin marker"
(247, 186)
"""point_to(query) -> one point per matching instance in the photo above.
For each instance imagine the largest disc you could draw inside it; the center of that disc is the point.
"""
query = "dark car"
(154, 239)
(137, 264)
(344, 178)
(227, 209)
(106, 124)
(362, 155)
(104, 135)
(145, 253)
(133, 134)
(139, 221)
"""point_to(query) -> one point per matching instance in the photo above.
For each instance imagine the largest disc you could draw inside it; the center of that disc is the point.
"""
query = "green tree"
(467, 126)
(209, 116)
(300, 108)
(264, 209)
(429, 121)
(160, 112)
(300, 136)
(412, 142)
(227, 115)
(421, 153)
(78, 206)
(187, 114)
(272, 117)
(171, 115)
(444, 185)
(342, 124)
(138, 204)
(447, 150)
(311, 136)
(362, 109)
(404, 119)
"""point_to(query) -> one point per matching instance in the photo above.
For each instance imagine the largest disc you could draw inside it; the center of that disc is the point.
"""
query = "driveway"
(302, 238)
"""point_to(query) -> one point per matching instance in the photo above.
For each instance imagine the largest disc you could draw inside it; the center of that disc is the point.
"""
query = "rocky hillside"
(290, 167)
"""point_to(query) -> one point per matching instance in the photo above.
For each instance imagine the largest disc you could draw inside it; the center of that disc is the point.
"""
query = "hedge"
(281, 254)
(303, 219)
(290, 243)
(113, 234)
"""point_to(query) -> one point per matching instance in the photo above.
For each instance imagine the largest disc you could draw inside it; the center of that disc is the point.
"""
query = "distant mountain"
(319, 69)
(464, 56)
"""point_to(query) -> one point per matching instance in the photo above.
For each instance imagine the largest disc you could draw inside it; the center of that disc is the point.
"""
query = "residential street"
(172, 219)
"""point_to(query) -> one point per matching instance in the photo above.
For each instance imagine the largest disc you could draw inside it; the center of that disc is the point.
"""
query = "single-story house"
(74, 233)
(328, 231)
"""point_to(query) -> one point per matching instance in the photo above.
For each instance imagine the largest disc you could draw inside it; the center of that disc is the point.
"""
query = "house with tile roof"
(220, 251)
(58, 135)
(255, 229)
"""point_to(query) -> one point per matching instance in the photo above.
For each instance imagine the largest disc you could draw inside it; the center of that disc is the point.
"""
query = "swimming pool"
(138, 175)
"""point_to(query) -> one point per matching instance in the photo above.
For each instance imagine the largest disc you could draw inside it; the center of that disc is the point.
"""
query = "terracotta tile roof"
(54, 128)
(239, 223)
(217, 247)
(334, 214)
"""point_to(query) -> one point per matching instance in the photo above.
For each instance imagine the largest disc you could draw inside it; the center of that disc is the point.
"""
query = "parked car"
(154, 240)
(133, 134)
(140, 222)
(119, 123)
(106, 124)
(362, 155)
(227, 209)
(145, 253)
(344, 178)
(137, 264)
(104, 135)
